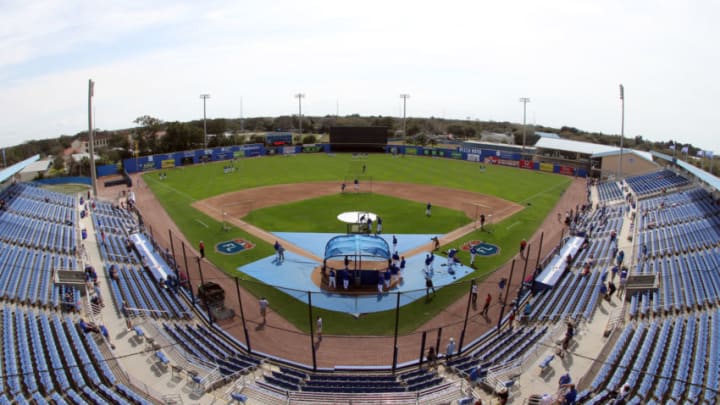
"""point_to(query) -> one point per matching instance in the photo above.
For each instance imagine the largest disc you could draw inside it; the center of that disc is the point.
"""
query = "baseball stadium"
(360, 272)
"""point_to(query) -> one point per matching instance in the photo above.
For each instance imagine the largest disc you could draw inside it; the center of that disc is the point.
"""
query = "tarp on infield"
(368, 246)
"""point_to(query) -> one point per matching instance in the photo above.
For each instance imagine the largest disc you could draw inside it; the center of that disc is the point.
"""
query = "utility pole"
(524, 100)
(91, 138)
(404, 97)
(622, 128)
(204, 98)
(300, 96)
(242, 126)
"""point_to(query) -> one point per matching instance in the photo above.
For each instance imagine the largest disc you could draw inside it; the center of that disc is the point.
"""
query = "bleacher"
(205, 345)
(609, 192)
(135, 287)
(47, 358)
(652, 183)
(658, 359)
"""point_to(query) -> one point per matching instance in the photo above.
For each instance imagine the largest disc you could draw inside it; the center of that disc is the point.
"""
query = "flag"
(684, 149)
(700, 153)
(622, 92)
(672, 146)
(92, 88)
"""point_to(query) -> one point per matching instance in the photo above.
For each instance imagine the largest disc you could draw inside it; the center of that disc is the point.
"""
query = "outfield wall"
(225, 153)
(482, 155)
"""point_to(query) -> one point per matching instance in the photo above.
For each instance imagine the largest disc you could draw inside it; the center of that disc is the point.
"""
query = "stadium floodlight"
(524, 100)
(404, 97)
(300, 96)
(622, 127)
(204, 98)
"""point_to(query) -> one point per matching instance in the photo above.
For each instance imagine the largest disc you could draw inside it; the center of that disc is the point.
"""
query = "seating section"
(37, 237)
(678, 223)
(46, 358)
(576, 295)
(136, 287)
(609, 192)
(501, 348)
(656, 182)
(659, 358)
(133, 284)
(204, 345)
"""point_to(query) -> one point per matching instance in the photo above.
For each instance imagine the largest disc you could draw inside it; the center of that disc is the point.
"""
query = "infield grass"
(537, 191)
(320, 215)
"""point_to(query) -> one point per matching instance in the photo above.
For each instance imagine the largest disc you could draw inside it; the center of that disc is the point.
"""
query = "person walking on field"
(428, 210)
(488, 299)
(263, 308)
(202, 249)
(319, 327)
(482, 222)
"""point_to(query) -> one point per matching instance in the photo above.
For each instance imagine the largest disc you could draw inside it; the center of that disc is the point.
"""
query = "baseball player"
(451, 260)
(395, 241)
(473, 252)
(345, 278)
(331, 279)
(378, 226)
(428, 209)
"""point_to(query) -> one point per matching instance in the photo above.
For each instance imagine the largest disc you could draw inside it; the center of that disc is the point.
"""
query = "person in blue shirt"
(395, 241)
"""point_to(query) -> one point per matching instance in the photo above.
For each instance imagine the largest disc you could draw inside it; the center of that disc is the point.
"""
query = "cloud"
(456, 59)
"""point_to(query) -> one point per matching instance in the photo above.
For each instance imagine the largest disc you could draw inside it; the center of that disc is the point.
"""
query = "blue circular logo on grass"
(234, 246)
(481, 248)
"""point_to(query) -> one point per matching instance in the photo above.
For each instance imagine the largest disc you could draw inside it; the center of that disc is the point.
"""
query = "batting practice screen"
(358, 139)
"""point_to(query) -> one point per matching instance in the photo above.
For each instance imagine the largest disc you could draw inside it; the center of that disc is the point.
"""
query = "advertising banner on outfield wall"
(566, 170)
(508, 162)
(163, 161)
(546, 167)
(526, 164)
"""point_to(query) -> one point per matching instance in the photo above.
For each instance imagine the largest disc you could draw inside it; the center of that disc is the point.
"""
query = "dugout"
(358, 139)
(367, 255)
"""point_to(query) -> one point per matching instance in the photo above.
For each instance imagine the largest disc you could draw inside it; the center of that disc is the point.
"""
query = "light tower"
(524, 100)
(204, 98)
(622, 128)
(300, 96)
(404, 97)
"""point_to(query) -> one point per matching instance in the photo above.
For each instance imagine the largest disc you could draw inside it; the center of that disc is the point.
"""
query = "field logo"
(234, 246)
(481, 248)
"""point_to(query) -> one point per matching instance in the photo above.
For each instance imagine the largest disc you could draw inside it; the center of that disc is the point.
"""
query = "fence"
(389, 341)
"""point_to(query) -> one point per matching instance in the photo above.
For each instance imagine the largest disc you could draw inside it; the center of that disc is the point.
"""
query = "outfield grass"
(537, 191)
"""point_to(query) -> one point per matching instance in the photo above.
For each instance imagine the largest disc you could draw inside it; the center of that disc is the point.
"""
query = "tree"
(59, 162)
(145, 132)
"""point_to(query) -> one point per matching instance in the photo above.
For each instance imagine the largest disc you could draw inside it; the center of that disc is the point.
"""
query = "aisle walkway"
(134, 353)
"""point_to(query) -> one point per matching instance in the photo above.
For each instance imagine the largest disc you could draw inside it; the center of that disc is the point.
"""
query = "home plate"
(354, 217)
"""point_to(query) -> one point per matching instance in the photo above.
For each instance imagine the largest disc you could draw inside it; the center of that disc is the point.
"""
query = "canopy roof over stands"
(645, 155)
(16, 168)
(704, 176)
(357, 245)
(568, 145)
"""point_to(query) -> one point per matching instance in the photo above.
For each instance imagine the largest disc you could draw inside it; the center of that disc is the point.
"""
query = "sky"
(456, 59)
